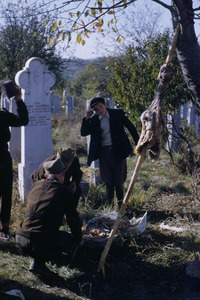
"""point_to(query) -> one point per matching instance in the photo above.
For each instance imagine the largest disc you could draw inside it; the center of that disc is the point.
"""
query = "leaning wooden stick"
(122, 209)
(153, 126)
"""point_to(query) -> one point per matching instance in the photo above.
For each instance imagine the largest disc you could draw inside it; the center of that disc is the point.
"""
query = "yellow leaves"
(111, 12)
(49, 41)
(93, 11)
(60, 23)
(45, 21)
(71, 14)
(87, 35)
(125, 4)
(79, 39)
(99, 23)
(119, 39)
(87, 13)
(53, 26)
(100, 30)
(69, 36)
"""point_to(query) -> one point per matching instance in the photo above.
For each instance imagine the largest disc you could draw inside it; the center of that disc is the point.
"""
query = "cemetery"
(144, 225)
(146, 247)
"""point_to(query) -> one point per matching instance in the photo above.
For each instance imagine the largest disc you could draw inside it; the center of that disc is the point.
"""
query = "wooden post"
(122, 209)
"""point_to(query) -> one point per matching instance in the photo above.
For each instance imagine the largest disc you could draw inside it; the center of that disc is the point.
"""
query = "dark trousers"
(6, 179)
(113, 172)
(42, 250)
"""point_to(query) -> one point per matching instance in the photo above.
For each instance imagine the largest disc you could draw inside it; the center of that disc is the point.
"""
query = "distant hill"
(75, 66)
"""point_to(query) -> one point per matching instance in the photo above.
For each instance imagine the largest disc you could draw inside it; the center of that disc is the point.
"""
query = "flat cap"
(66, 154)
(96, 101)
(54, 166)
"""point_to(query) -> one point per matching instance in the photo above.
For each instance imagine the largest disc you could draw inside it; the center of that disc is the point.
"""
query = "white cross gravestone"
(35, 80)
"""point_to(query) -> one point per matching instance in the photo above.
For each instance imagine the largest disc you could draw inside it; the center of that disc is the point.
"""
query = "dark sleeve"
(131, 128)
(73, 218)
(40, 173)
(22, 118)
(76, 171)
(86, 127)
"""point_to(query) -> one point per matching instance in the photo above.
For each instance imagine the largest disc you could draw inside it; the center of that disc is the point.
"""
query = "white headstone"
(69, 105)
(55, 104)
(173, 138)
(15, 141)
(191, 114)
(64, 97)
(5, 102)
(35, 80)
(197, 124)
(184, 111)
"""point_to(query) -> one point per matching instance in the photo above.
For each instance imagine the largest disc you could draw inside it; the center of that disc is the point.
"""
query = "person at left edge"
(6, 173)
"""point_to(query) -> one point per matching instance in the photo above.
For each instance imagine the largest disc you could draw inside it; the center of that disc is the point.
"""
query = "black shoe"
(39, 268)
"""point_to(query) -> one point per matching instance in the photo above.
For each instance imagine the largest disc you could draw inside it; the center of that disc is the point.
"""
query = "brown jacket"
(73, 174)
(48, 202)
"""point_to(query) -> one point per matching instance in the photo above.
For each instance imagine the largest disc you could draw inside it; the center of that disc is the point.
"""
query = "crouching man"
(38, 234)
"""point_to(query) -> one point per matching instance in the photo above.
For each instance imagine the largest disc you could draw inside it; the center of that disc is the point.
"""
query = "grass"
(152, 263)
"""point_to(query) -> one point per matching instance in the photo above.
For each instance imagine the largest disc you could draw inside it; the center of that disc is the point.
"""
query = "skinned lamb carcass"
(153, 124)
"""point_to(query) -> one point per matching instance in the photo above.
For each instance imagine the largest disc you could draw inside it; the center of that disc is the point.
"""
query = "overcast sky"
(97, 47)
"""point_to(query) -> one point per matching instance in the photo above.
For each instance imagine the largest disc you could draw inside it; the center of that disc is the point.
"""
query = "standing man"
(109, 143)
(73, 173)
(6, 175)
(49, 200)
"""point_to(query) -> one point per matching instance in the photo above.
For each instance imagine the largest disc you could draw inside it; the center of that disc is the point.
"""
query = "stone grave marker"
(69, 105)
(55, 104)
(35, 80)
(184, 111)
(191, 114)
(15, 141)
(64, 97)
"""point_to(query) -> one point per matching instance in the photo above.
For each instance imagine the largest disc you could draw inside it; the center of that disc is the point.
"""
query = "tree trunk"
(188, 50)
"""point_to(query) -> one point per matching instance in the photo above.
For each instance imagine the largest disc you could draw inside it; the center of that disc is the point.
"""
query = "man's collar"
(106, 115)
